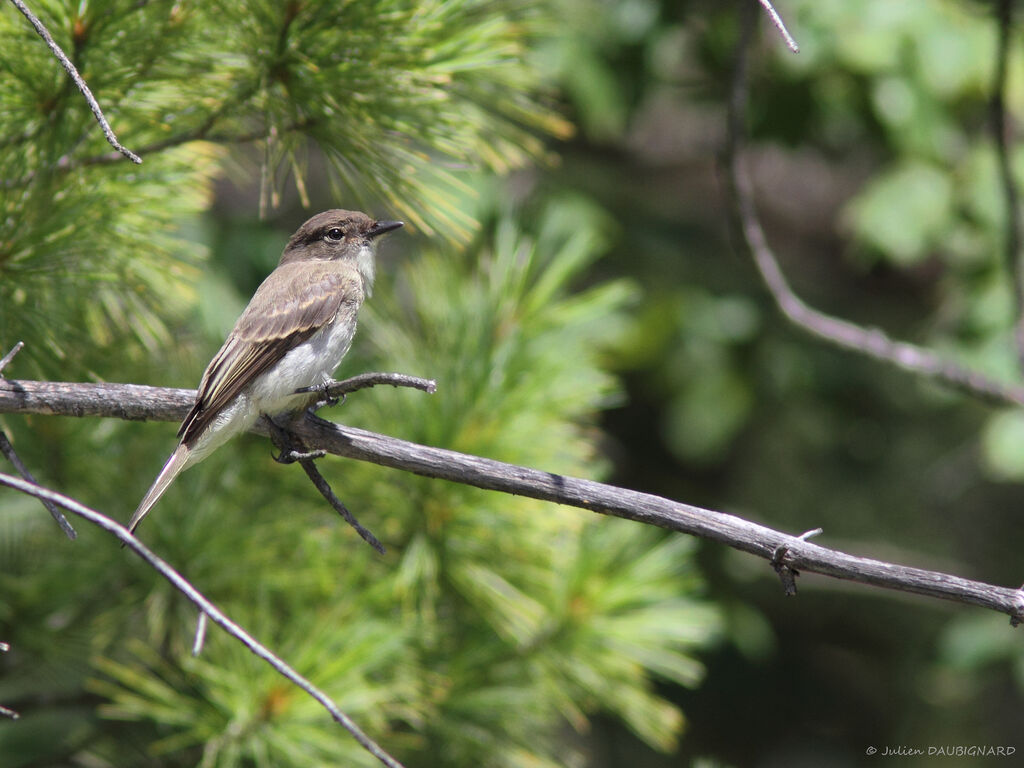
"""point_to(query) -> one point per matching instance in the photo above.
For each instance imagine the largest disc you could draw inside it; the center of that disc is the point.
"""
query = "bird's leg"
(291, 447)
(329, 400)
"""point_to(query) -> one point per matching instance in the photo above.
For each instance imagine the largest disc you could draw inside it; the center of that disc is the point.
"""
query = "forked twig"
(8, 450)
(786, 573)
(330, 393)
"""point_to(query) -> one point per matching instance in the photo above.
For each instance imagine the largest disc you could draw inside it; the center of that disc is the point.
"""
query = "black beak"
(383, 227)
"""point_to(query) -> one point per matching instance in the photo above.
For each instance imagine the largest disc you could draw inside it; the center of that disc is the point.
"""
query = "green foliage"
(924, 72)
(500, 343)
(68, 237)
(1001, 443)
(905, 212)
(395, 94)
(878, 186)
(493, 620)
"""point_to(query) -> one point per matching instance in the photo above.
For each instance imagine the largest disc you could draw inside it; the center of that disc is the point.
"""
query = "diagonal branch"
(138, 402)
(872, 342)
(77, 78)
(1001, 129)
(204, 605)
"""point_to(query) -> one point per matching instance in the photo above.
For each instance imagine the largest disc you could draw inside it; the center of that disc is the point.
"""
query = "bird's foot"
(290, 457)
(290, 448)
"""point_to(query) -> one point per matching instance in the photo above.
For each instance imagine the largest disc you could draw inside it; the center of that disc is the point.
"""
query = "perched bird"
(293, 334)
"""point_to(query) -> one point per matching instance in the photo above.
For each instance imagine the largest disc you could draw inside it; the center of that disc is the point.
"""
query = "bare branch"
(647, 508)
(180, 583)
(780, 25)
(872, 342)
(8, 450)
(1001, 129)
(79, 82)
(114, 400)
(129, 402)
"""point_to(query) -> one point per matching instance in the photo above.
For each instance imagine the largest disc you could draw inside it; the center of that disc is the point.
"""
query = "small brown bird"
(293, 334)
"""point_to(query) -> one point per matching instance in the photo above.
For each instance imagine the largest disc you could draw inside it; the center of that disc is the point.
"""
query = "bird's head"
(340, 235)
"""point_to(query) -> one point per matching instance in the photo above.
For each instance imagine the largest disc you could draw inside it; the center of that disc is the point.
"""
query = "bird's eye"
(335, 234)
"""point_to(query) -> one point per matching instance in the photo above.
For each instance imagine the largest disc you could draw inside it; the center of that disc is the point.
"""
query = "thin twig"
(180, 583)
(292, 449)
(325, 490)
(8, 450)
(780, 25)
(197, 643)
(137, 402)
(1001, 129)
(334, 389)
(867, 341)
(788, 574)
(4, 711)
(6, 359)
(70, 69)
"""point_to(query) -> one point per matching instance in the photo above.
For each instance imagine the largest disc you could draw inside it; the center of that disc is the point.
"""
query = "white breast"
(272, 393)
(309, 364)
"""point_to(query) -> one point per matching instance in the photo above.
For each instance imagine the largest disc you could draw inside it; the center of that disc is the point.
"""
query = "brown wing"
(292, 304)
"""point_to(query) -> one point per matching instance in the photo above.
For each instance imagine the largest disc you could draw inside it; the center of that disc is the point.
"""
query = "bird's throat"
(367, 266)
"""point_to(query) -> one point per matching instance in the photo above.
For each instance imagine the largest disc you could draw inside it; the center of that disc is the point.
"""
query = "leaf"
(903, 213)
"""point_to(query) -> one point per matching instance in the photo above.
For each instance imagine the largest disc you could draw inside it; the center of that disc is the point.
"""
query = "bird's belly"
(309, 364)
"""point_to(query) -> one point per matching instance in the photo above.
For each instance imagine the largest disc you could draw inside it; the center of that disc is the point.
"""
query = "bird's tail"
(172, 468)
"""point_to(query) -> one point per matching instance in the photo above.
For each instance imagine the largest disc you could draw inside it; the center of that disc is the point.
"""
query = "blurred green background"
(569, 278)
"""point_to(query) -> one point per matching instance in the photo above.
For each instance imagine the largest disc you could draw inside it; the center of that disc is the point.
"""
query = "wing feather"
(292, 304)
